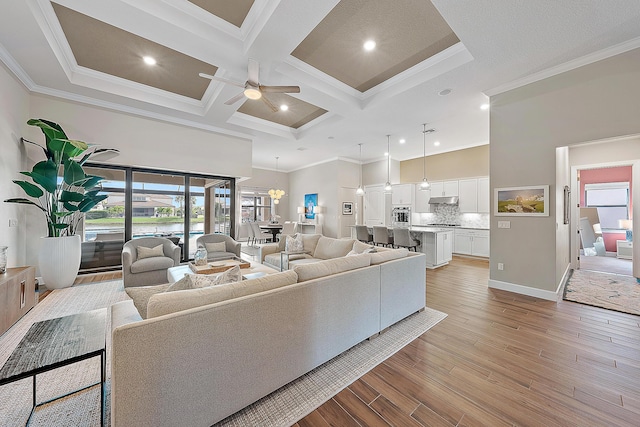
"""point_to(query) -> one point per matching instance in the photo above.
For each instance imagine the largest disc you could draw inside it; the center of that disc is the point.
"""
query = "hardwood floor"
(87, 278)
(500, 359)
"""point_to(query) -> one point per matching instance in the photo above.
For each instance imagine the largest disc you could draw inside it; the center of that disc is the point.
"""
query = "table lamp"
(300, 213)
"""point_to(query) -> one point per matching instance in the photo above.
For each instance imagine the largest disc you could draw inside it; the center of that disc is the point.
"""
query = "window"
(612, 201)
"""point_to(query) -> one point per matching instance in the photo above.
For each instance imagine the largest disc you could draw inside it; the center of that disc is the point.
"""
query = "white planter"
(59, 261)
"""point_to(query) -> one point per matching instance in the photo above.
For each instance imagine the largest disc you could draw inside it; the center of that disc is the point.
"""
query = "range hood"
(451, 200)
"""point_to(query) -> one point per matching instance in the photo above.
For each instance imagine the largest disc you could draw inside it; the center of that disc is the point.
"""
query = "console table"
(17, 295)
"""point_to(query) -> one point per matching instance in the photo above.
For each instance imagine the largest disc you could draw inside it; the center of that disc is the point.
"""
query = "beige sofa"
(200, 357)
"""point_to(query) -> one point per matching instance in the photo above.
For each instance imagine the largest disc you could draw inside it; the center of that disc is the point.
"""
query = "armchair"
(148, 270)
(232, 248)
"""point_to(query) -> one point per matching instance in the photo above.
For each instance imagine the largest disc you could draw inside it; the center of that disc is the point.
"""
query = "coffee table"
(54, 343)
(176, 273)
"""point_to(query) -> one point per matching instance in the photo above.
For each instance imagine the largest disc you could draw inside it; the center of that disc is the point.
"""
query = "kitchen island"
(435, 242)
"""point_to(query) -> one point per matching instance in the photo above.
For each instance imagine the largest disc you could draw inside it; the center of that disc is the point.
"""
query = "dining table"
(274, 229)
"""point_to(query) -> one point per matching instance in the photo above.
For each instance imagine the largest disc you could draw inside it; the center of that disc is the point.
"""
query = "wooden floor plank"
(503, 359)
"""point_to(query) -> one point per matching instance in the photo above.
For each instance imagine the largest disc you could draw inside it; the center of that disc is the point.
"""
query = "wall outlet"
(500, 266)
(504, 224)
(13, 222)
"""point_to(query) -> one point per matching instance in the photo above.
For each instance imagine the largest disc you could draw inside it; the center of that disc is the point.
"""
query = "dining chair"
(402, 239)
(251, 237)
(259, 235)
(381, 236)
(288, 228)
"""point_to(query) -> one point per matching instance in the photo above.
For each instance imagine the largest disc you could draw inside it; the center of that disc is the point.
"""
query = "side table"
(54, 343)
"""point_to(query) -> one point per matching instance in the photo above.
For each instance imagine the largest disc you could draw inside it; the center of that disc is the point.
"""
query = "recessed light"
(284, 107)
(402, 141)
(444, 92)
(484, 107)
(436, 143)
(149, 60)
(369, 45)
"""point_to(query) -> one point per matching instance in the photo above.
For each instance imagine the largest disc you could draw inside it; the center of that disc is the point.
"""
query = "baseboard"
(524, 290)
(563, 282)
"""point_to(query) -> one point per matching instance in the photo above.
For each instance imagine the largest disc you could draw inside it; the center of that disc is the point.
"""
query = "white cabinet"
(484, 199)
(376, 206)
(468, 195)
(438, 247)
(444, 188)
(471, 242)
(421, 200)
(402, 194)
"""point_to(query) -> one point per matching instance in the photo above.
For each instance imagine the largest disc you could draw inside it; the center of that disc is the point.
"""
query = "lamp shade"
(318, 209)
(300, 209)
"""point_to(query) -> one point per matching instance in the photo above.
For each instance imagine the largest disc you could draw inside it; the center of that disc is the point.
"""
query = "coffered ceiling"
(92, 52)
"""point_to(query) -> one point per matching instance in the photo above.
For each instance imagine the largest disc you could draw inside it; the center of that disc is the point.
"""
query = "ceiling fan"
(252, 87)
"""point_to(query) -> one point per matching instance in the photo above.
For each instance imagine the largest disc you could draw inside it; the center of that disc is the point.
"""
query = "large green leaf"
(60, 226)
(50, 129)
(25, 202)
(92, 181)
(89, 203)
(70, 206)
(63, 214)
(45, 174)
(73, 172)
(71, 196)
(31, 190)
(69, 147)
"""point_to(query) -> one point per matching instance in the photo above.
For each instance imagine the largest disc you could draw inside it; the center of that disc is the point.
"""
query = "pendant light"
(360, 190)
(387, 185)
(424, 185)
(276, 194)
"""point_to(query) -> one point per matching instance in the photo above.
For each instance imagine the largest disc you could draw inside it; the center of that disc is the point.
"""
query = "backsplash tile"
(450, 214)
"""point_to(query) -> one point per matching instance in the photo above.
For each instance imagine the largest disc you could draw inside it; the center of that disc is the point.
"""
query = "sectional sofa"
(203, 354)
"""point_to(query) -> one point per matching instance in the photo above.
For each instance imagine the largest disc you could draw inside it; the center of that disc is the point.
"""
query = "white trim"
(567, 66)
(563, 282)
(523, 290)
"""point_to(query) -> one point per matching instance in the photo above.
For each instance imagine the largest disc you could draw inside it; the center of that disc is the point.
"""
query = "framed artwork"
(310, 201)
(347, 208)
(522, 201)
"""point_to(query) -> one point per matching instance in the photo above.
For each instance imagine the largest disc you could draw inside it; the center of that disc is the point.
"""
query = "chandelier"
(276, 194)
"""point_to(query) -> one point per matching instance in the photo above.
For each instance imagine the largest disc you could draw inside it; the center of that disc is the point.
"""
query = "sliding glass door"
(141, 203)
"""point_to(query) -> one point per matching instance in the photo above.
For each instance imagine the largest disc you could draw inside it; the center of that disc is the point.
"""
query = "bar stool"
(381, 236)
(403, 239)
(362, 234)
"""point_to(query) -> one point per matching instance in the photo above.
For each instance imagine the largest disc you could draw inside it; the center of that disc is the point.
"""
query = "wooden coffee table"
(54, 343)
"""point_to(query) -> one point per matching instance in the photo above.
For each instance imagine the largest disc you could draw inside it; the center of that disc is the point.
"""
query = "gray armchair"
(151, 270)
(232, 248)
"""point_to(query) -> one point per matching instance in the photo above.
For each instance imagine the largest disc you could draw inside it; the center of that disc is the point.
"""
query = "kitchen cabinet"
(17, 295)
(402, 194)
(484, 195)
(444, 188)
(377, 206)
(471, 242)
(421, 200)
(468, 195)
(438, 247)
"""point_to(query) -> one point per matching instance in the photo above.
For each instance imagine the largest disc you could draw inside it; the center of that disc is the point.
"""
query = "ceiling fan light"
(252, 93)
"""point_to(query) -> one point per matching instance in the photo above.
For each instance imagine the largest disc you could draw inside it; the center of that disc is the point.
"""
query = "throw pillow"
(144, 252)
(294, 244)
(141, 294)
(216, 247)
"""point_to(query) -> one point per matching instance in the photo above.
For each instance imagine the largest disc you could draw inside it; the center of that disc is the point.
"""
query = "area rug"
(611, 291)
(283, 407)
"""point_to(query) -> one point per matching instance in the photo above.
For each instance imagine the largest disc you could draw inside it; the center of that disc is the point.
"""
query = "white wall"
(594, 102)
(145, 142)
(14, 104)
(621, 150)
(376, 172)
(329, 180)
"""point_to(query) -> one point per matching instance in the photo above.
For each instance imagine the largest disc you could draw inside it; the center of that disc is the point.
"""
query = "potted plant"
(62, 190)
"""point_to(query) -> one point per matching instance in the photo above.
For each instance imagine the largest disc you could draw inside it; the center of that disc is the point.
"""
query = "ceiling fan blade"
(280, 89)
(269, 104)
(235, 99)
(254, 72)
(220, 79)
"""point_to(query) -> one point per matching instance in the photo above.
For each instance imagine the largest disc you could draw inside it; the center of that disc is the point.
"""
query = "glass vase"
(200, 257)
